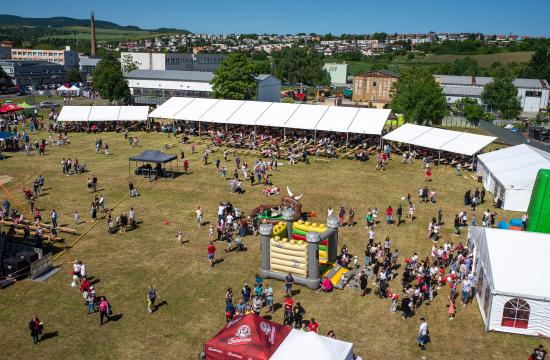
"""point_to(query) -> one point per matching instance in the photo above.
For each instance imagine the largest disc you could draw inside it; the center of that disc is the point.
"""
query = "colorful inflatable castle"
(307, 251)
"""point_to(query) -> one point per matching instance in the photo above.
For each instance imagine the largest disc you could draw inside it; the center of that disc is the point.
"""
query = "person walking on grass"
(35, 327)
(199, 216)
(423, 333)
(211, 250)
(152, 294)
(54, 218)
(104, 310)
(186, 166)
(76, 217)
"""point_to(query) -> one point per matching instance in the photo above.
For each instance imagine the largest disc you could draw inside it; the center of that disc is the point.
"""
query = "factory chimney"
(92, 30)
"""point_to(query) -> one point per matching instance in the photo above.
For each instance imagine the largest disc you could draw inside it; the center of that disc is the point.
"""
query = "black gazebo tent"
(153, 156)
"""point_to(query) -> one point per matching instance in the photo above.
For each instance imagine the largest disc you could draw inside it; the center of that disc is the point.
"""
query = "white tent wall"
(517, 199)
(104, 113)
(539, 317)
(74, 113)
(498, 283)
(133, 113)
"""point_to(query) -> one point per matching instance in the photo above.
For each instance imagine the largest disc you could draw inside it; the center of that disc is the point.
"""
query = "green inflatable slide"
(539, 206)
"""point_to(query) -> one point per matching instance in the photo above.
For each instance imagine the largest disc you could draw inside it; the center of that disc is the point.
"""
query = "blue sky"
(521, 17)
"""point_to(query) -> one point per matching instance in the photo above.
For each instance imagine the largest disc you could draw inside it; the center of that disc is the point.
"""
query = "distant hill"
(63, 22)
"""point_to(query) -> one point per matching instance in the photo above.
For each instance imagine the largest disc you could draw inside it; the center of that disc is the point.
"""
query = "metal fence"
(510, 137)
(458, 122)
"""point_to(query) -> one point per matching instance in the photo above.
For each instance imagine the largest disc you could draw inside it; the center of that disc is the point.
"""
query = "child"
(451, 310)
(211, 233)
(394, 299)
(179, 236)
(351, 216)
(224, 171)
(76, 217)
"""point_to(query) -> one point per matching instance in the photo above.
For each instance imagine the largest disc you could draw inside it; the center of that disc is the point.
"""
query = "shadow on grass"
(49, 335)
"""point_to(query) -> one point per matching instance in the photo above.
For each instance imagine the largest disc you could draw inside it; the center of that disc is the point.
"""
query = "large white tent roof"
(74, 113)
(369, 121)
(440, 139)
(309, 345)
(103, 113)
(296, 116)
(169, 109)
(306, 117)
(516, 166)
(528, 252)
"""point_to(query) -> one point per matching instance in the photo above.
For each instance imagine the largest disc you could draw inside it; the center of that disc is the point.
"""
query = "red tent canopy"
(10, 107)
(247, 337)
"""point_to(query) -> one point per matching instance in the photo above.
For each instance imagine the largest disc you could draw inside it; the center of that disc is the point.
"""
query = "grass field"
(124, 265)
(83, 33)
(484, 61)
(400, 63)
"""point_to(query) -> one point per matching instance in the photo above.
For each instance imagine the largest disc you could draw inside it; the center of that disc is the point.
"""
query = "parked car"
(23, 93)
(49, 105)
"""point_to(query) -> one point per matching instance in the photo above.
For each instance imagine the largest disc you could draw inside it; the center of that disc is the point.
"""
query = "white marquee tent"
(440, 139)
(309, 345)
(510, 173)
(288, 116)
(103, 113)
(513, 291)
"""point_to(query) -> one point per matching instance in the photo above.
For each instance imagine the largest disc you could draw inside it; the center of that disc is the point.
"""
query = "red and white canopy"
(251, 337)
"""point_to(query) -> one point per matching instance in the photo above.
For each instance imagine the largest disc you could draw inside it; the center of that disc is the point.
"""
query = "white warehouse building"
(156, 86)
(533, 93)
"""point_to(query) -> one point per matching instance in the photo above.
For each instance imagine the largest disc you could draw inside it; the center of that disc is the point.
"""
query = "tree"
(128, 64)
(75, 76)
(502, 95)
(235, 78)
(419, 97)
(109, 81)
(5, 80)
(299, 65)
(473, 112)
(539, 65)
(380, 36)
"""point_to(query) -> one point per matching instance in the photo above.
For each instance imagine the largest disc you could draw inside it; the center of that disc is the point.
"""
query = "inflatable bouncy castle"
(307, 251)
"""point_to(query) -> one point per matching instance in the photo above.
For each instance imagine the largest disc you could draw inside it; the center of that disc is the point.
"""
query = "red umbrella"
(10, 107)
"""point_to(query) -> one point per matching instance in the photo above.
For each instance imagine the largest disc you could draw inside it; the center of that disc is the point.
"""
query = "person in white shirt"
(330, 212)
(423, 332)
(229, 220)
(199, 216)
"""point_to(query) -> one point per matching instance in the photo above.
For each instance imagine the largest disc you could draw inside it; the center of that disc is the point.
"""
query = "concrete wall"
(338, 72)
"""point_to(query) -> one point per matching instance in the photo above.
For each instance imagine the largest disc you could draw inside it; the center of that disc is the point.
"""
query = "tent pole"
(314, 136)
(347, 139)
(381, 141)
(439, 157)
(199, 128)
(254, 139)
(284, 134)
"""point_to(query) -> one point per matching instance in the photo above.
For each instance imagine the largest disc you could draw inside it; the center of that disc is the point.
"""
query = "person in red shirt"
(313, 325)
(428, 174)
(85, 285)
(389, 215)
(211, 251)
(289, 305)
(185, 165)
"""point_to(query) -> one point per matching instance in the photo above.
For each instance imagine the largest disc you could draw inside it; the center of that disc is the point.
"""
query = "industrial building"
(175, 61)
(67, 58)
(33, 73)
(157, 86)
(374, 87)
(88, 64)
(338, 73)
(533, 93)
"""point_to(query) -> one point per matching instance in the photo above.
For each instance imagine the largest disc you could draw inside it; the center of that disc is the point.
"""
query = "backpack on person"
(109, 309)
